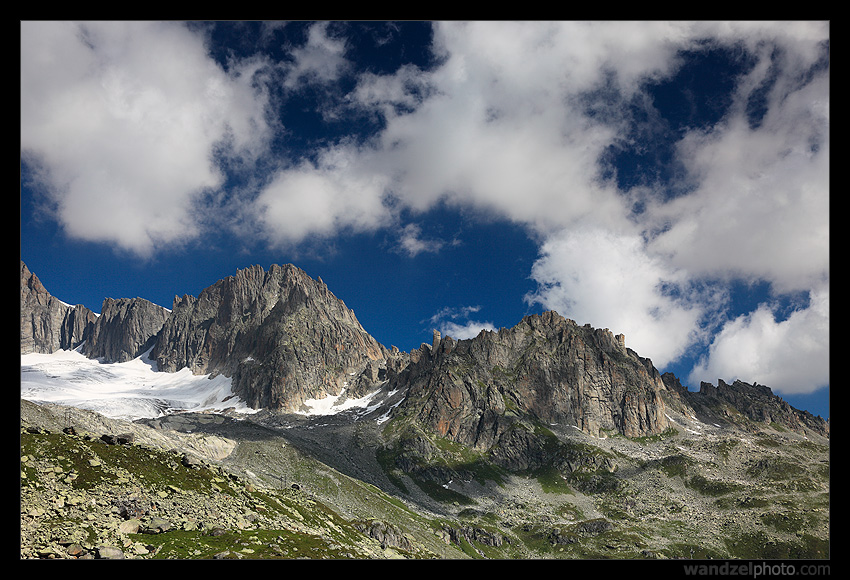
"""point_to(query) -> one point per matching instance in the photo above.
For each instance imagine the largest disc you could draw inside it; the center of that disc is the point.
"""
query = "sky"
(666, 180)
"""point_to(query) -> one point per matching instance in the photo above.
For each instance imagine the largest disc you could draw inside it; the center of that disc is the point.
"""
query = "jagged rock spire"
(282, 336)
(47, 323)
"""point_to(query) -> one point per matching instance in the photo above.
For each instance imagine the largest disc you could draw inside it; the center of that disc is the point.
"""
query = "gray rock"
(109, 553)
(47, 323)
(546, 367)
(386, 534)
(283, 337)
(156, 526)
(125, 329)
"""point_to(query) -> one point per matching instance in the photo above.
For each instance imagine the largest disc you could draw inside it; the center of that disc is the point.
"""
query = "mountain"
(283, 337)
(48, 324)
(125, 329)
(491, 393)
(548, 439)
(746, 406)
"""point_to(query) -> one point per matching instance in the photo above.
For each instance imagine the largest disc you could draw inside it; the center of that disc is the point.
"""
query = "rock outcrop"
(283, 337)
(746, 406)
(125, 329)
(491, 392)
(47, 323)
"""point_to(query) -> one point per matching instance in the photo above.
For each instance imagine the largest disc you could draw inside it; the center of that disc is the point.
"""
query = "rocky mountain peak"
(285, 338)
(126, 328)
(493, 391)
(282, 336)
(47, 323)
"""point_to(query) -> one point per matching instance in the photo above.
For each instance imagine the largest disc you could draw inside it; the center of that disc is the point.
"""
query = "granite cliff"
(546, 366)
(125, 329)
(283, 337)
(47, 323)
(501, 392)
(746, 406)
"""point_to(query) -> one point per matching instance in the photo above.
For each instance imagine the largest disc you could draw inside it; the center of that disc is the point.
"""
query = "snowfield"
(136, 389)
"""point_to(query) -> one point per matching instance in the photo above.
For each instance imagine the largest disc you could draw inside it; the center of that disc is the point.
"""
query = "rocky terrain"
(284, 486)
(545, 440)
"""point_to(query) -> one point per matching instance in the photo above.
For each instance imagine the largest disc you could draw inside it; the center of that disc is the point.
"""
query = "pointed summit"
(47, 323)
(282, 336)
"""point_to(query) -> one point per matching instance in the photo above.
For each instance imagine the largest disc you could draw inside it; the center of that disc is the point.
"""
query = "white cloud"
(454, 322)
(462, 331)
(322, 198)
(597, 277)
(321, 60)
(121, 121)
(412, 243)
(760, 205)
(449, 312)
(790, 356)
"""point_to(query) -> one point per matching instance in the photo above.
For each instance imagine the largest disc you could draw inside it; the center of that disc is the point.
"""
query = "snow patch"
(130, 390)
(331, 405)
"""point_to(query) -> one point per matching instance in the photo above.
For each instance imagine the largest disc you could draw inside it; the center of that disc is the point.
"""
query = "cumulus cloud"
(462, 331)
(127, 124)
(607, 279)
(454, 322)
(321, 60)
(122, 121)
(321, 198)
(412, 243)
(759, 208)
(791, 356)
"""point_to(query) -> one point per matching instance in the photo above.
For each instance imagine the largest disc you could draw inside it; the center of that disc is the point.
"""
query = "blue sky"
(666, 180)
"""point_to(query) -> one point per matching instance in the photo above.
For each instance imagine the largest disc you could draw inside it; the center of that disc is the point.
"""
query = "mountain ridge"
(284, 338)
(546, 439)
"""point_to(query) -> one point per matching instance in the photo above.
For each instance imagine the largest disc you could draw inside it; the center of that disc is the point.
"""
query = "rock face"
(480, 391)
(283, 337)
(746, 405)
(48, 324)
(126, 328)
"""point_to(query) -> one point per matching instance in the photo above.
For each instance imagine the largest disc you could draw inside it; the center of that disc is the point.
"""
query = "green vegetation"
(675, 465)
(670, 496)
(710, 487)
(552, 481)
(760, 545)
(74, 486)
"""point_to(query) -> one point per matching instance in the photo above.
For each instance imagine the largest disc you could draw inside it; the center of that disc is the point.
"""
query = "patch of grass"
(442, 494)
(598, 482)
(536, 538)
(759, 545)
(725, 447)
(386, 459)
(784, 522)
(675, 465)
(668, 433)
(91, 462)
(766, 441)
(775, 469)
(710, 487)
(690, 551)
(254, 544)
(552, 481)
